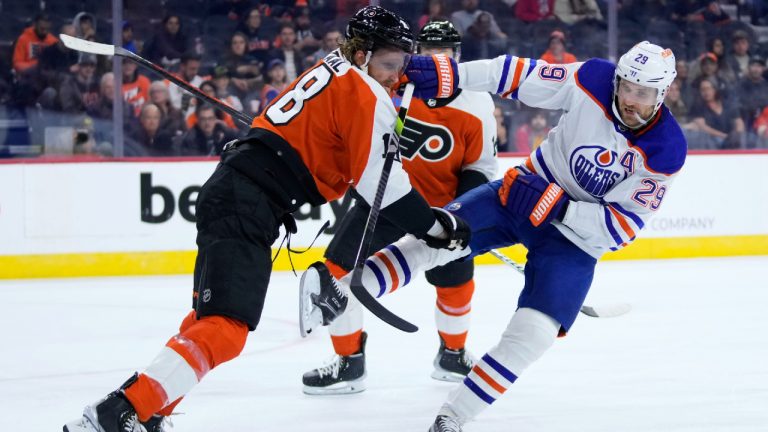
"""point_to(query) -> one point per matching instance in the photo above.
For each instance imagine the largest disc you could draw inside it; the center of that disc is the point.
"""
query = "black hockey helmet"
(439, 34)
(380, 27)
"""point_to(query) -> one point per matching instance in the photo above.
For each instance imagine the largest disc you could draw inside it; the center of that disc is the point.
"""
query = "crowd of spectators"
(245, 52)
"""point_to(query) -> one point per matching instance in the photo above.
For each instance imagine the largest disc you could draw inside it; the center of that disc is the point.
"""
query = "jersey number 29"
(288, 106)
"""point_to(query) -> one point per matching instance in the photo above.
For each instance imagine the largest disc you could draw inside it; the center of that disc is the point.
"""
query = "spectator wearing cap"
(31, 42)
(189, 69)
(285, 51)
(572, 11)
(222, 82)
(168, 44)
(80, 90)
(127, 35)
(530, 11)
(753, 90)
(258, 38)
(556, 53)
(710, 69)
(738, 58)
(481, 41)
(208, 136)
(467, 16)
(276, 82)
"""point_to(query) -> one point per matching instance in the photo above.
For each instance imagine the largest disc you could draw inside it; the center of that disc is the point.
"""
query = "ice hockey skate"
(321, 298)
(343, 375)
(451, 365)
(444, 423)
(112, 414)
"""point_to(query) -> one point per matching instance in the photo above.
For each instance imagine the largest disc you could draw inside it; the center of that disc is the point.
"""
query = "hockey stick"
(605, 311)
(356, 286)
(111, 50)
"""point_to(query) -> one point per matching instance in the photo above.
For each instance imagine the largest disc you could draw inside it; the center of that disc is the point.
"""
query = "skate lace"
(131, 423)
(447, 424)
(332, 368)
(467, 360)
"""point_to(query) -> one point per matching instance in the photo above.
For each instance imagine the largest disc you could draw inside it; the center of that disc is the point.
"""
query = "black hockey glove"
(456, 232)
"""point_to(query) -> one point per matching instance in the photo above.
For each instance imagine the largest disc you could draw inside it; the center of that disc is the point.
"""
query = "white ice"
(691, 356)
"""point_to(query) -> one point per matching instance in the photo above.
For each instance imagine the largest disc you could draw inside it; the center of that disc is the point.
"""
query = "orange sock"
(200, 346)
(347, 345)
(454, 305)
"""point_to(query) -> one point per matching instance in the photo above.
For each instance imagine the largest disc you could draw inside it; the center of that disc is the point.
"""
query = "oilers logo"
(596, 169)
(432, 142)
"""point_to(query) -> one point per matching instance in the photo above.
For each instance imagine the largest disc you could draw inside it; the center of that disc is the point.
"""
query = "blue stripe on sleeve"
(609, 225)
(403, 263)
(379, 277)
(498, 367)
(504, 74)
(540, 160)
(635, 218)
(478, 391)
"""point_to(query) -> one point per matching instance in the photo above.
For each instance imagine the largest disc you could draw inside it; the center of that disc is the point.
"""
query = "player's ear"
(359, 58)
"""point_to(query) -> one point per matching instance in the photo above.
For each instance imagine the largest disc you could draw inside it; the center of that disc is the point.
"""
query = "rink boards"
(96, 218)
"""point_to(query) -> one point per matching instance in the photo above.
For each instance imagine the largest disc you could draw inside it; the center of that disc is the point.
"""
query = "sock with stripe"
(452, 313)
(200, 346)
(529, 334)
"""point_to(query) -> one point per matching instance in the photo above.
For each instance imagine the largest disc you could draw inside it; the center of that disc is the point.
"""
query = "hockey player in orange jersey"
(322, 135)
(448, 148)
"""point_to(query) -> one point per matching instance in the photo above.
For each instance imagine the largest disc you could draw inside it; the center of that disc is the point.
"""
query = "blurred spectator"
(103, 108)
(467, 16)
(235, 10)
(502, 137)
(715, 14)
(719, 124)
(172, 118)
(710, 69)
(674, 101)
(209, 89)
(684, 11)
(738, 58)
(716, 46)
(168, 44)
(683, 78)
(148, 139)
(276, 82)
(31, 42)
(55, 61)
(331, 40)
(761, 129)
(188, 71)
(222, 81)
(258, 39)
(244, 68)
(208, 136)
(534, 10)
(85, 26)
(128, 42)
(556, 53)
(435, 11)
(80, 91)
(753, 91)
(572, 11)
(135, 87)
(480, 42)
(306, 42)
(529, 136)
(286, 52)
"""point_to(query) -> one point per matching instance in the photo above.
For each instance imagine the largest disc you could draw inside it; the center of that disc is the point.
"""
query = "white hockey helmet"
(648, 65)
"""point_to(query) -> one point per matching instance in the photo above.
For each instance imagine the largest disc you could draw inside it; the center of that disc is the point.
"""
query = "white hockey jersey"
(616, 178)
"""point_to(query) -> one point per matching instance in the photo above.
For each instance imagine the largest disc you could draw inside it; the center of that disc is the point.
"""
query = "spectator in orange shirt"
(556, 53)
(31, 42)
(135, 87)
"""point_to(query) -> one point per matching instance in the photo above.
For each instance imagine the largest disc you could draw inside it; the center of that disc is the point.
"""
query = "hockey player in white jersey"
(590, 187)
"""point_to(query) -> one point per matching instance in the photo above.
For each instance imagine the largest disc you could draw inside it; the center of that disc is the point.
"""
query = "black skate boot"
(321, 298)
(112, 414)
(450, 365)
(155, 424)
(444, 423)
(344, 375)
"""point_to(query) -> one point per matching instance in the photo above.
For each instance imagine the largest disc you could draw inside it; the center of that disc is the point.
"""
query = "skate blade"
(447, 376)
(86, 423)
(346, 387)
(307, 310)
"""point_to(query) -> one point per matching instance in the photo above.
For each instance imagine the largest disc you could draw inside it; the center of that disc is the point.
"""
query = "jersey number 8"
(288, 106)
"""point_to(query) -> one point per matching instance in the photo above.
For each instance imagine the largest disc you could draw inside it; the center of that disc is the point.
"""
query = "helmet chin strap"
(642, 121)
(364, 66)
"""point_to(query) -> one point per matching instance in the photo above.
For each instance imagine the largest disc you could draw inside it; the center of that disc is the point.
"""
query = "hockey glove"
(532, 196)
(433, 77)
(456, 232)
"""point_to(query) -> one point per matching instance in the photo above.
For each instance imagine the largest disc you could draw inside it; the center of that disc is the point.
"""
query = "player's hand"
(456, 232)
(531, 196)
(434, 76)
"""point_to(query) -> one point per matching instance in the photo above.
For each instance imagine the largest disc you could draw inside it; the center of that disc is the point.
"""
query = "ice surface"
(692, 355)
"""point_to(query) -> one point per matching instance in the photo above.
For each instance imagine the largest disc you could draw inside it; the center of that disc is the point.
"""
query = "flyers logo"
(432, 142)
